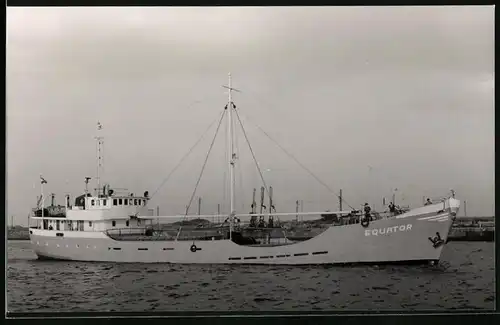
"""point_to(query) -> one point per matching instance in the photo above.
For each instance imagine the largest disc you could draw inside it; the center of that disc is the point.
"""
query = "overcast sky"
(407, 91)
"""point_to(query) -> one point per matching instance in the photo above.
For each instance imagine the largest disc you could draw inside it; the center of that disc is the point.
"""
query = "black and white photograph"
(250, 159)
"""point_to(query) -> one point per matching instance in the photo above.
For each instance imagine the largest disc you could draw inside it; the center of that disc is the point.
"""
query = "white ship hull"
(405, 238)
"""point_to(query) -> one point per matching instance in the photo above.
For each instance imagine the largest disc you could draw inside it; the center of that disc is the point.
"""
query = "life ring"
(365, 222)
(193, 248)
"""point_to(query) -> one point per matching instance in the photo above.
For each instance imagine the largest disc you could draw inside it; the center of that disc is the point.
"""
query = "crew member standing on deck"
(392, 208)
(367, 211)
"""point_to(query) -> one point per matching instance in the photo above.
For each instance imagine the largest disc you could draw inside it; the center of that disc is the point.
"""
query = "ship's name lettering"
(388, 230)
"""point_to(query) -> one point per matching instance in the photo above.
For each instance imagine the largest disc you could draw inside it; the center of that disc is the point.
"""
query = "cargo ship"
(112, 226)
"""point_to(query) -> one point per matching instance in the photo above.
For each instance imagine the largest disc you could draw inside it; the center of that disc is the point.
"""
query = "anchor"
(437, 240)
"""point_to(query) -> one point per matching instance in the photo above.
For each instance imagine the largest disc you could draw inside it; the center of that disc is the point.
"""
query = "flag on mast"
(99, 125)
(43, 181)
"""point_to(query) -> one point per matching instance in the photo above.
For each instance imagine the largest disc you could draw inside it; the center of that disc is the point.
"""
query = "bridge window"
(127, 223)
(113, 223)
(104, 202)
(131, 202)
(125, 201)
(120, 201)
(115, 201)
(144, 202)
(135, 202)
(92, 202)
(90, 223)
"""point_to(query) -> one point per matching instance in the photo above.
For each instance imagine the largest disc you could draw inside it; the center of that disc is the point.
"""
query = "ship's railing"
(138, 234)
(353, 218)
(388, 214)
(126, 231)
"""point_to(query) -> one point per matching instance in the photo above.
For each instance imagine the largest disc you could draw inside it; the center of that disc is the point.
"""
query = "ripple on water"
(467, 283)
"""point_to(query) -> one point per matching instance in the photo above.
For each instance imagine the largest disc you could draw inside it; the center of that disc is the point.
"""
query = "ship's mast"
(232, 157)
(42, 181)
(99, 140)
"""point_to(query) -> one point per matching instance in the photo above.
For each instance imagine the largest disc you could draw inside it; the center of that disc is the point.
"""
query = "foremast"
(99, 144)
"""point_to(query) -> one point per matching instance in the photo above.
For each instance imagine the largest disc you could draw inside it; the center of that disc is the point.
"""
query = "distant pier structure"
(473, 229)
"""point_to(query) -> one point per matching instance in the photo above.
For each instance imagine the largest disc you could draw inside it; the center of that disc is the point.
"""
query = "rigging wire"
(269, 105)
(238, 166)
(185, 156)
(187, 107)
(298, 162)
(201, 172)
(252, 152)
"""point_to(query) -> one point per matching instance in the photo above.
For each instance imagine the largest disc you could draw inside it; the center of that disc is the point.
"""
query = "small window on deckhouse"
(115, 201)
(120, 202)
